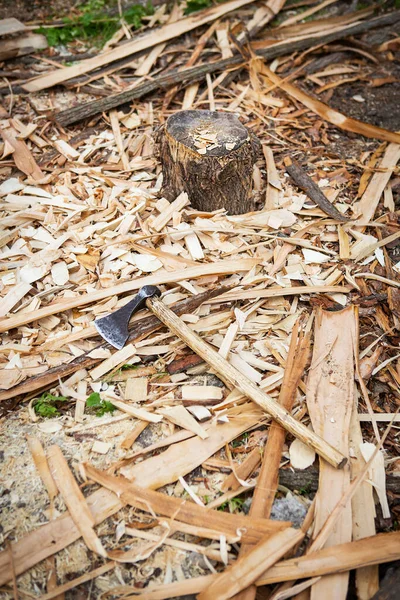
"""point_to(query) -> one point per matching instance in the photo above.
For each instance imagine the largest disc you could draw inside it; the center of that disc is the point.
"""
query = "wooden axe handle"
(234, 378)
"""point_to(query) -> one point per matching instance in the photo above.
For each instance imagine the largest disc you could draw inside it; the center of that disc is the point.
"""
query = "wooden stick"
(74, 499)
(267, 482)
(234, 378)
(249, 567)
(217, 268)
(83, 111)
(307, 185)
(132, 436)
(71, 585)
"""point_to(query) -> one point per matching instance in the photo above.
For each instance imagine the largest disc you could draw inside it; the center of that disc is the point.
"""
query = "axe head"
(114, 327)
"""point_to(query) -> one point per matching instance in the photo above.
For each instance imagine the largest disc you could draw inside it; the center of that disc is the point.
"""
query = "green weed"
(100, 407)
(47, 405)
(93, 23)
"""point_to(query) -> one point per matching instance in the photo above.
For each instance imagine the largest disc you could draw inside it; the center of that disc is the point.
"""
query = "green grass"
(94, 24)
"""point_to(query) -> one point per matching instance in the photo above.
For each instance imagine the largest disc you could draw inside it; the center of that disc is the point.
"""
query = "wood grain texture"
(330, 401)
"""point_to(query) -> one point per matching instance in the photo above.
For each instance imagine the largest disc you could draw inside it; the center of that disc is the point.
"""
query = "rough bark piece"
(209, 155)
(307, 185)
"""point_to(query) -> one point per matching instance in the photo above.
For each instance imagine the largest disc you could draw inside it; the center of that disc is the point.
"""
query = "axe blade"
(114, 327)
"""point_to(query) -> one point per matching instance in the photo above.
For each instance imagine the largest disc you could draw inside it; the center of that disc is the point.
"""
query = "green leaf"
(46, 405)
(101, 406)
(195, 5)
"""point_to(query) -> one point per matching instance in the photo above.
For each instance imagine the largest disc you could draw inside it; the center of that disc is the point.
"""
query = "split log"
(209, 155)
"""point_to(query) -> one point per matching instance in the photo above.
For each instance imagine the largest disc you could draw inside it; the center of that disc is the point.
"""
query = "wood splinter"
(210, 156)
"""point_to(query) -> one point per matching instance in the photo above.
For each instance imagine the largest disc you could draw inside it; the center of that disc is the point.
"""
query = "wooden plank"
(143, 42)
(217, 268)
(363, 511)
(366, 207)
(330, 401)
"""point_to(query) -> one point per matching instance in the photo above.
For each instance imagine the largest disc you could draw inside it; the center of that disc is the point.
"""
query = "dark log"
(307, 481)
(390, 585)
(210, 155)
(307, 185)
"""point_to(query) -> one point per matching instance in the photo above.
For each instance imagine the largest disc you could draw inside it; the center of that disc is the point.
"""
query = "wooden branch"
(307, 185)
(238, 381)
(138, 330)
(83, 111)
(221, 267)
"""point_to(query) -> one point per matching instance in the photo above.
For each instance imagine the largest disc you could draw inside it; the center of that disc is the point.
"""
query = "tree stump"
(210, 156)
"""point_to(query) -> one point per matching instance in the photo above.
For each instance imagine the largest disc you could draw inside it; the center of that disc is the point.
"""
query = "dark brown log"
(307, 185)
(137, 331)
(83, 111)
(210, 155)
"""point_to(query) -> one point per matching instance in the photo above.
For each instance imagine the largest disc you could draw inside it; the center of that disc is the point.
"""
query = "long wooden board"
(330, 401)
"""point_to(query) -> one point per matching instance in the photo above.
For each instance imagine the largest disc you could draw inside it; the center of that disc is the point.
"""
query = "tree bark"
(210, 156)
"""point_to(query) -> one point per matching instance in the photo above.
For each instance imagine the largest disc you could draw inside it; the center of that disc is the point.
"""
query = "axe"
(114, 329)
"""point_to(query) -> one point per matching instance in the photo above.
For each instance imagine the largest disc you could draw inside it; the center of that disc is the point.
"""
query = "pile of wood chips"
(170, 491)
